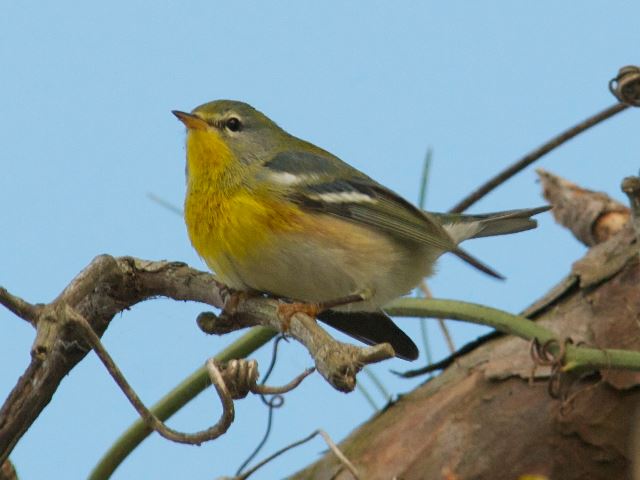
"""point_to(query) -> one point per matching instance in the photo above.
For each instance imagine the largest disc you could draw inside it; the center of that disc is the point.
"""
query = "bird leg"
(313, 309)
(288, 310)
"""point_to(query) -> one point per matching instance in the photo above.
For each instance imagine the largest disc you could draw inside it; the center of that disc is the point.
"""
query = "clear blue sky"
(86, 133)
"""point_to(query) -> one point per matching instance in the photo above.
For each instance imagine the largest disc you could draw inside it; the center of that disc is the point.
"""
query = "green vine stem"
(173, 401)
(575, 357)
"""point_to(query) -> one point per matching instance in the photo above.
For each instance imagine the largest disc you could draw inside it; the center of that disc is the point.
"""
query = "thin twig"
(263, 441)
(228, 411)
(422, 200)
(531, 157)
(165, 203)
(336, 451)
(332, 446)
(367, 395)
(447, 335)
(424, 334)
(174, 401)
(273, 456)
(18, 306)
(276, 401)
(426, 168)
(378, 384)
(268, 390)
(424, 288)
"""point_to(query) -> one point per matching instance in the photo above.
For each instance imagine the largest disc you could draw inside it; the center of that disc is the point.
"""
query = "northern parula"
(271, 213)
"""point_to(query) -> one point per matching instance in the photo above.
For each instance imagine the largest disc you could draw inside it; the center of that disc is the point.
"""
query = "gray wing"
(358, 198)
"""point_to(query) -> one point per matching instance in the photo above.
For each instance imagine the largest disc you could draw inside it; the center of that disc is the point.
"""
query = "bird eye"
(233, 124)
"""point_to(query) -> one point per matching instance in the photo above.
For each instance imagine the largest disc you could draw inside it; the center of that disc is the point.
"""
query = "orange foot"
(288, 310)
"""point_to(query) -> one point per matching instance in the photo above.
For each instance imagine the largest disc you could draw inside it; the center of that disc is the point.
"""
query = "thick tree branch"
(110, 285)
(103, 289)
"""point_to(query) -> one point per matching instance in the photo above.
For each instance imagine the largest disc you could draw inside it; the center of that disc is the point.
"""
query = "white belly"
(329, 265)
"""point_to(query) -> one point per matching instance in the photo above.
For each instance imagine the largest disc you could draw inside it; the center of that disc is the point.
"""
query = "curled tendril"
(551, 354)
(626, 85)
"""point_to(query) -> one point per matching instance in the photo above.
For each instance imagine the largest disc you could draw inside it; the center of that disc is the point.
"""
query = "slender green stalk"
(582, 357)
(367, 395)
(470, 312)
(424, 334)
(378, 384)
(424, 181)
(173, 401)
(422, 201)
(575, 357)
(165, 203)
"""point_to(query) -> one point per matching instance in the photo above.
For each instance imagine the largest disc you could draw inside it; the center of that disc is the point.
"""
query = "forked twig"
(20, 307)
(223, 382)
(332, 446)
(228, 410)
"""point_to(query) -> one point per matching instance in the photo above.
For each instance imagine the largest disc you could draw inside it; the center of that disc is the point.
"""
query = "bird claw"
(287, 310)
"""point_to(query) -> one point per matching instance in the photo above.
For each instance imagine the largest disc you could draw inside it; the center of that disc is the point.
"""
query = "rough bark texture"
(490, 416)
(107, 286)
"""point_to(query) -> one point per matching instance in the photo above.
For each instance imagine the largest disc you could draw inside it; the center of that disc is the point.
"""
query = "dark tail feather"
(514, 221)
(372, 328)
(490, 224)
(476, 263)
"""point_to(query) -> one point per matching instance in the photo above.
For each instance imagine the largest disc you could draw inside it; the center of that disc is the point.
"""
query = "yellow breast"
(228, 217)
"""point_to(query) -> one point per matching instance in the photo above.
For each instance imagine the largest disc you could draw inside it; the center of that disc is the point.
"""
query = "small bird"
(273, 214)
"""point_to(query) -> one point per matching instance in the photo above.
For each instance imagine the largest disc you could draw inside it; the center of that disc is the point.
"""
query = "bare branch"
(21, 308)
(110, 285)
(534, 155)
(228, 411)
(267, 390)
(337, 362)
(592, 217)
(104, 288)
(426, 291)
(332, 446)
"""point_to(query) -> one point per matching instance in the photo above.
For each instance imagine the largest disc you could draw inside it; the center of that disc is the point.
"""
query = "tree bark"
(490, 415)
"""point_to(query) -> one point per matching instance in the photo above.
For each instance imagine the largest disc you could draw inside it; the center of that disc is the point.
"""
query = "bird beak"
(191, 121)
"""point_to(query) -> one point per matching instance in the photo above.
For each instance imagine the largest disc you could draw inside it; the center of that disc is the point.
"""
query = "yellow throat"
(229, 217)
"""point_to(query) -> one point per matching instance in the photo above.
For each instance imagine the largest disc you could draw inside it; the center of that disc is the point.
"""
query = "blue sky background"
(86, 133)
